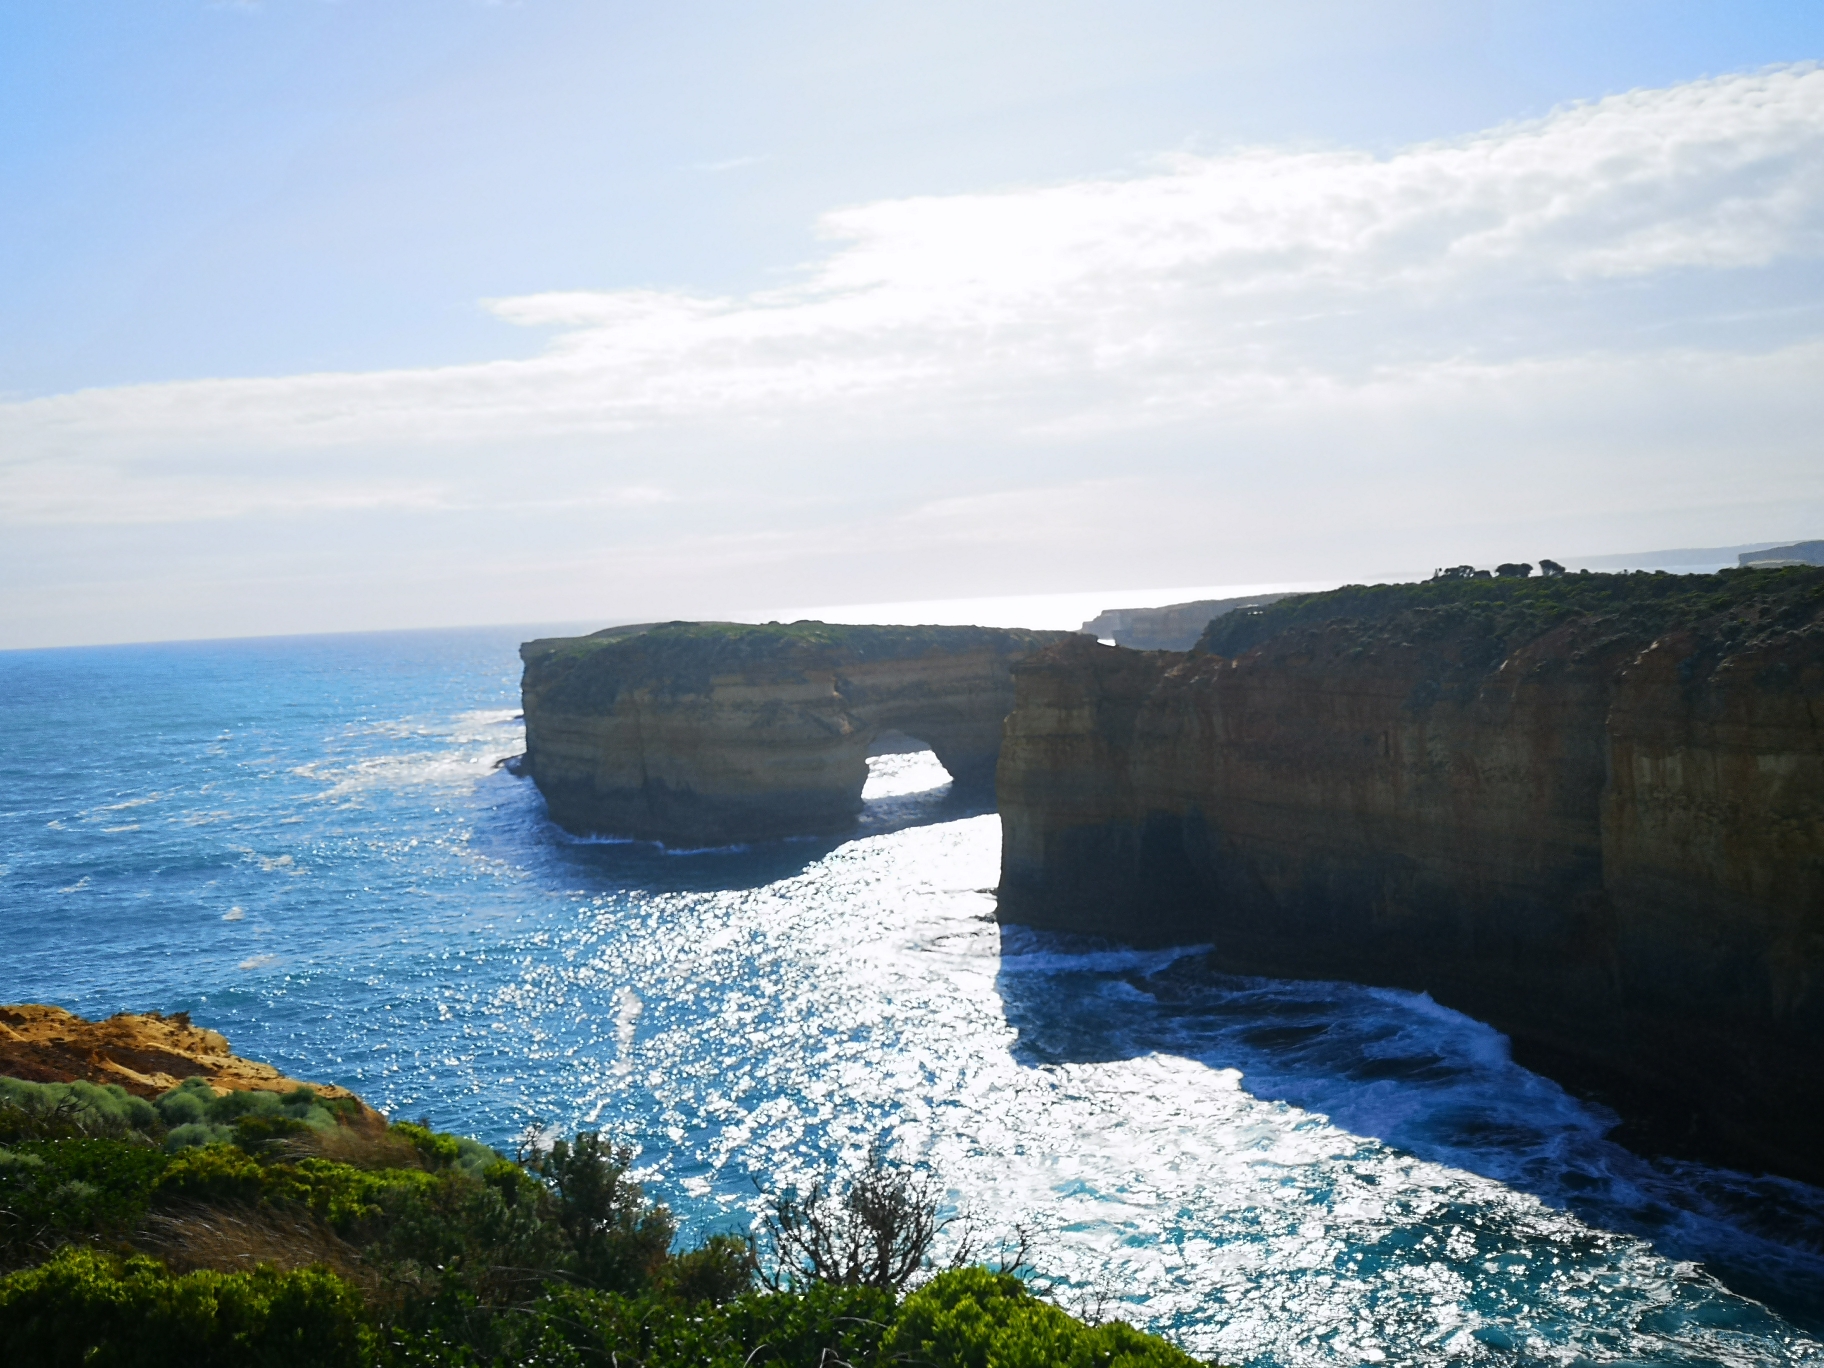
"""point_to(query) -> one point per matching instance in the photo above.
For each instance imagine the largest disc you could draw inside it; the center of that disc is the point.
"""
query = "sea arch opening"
(902, 765)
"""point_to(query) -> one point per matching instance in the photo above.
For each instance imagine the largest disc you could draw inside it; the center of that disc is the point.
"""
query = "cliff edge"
(1588, 810)
(146, 1055)
(702, 734)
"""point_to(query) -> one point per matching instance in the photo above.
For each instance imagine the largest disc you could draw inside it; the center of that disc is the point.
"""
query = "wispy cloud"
(1534, 290)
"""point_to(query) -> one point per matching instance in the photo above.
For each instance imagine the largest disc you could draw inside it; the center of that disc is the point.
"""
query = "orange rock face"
(1608, 842)
(146, 1055)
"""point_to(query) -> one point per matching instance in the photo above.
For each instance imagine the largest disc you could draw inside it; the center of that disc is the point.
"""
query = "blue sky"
(356, 315)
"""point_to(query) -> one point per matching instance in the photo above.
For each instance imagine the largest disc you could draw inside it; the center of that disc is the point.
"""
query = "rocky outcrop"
(1589, 811)
(1174, 627)
(145, 1054)
(702, 734)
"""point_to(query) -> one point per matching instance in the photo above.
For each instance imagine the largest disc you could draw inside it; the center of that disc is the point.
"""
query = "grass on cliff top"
(686, 657)
(805, 632)
(1739, 603)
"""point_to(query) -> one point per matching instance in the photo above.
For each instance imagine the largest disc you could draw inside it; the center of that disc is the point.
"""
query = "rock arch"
(698, 734)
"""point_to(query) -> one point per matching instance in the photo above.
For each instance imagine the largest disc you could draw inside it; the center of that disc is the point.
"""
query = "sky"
(325, 316)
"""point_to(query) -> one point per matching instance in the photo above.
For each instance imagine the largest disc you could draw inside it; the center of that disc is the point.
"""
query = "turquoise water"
(308, 845)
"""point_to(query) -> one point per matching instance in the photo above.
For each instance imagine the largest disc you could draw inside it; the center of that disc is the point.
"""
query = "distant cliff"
(1799, 553)
(713, 733)
(1588, 810)
(1174, 627)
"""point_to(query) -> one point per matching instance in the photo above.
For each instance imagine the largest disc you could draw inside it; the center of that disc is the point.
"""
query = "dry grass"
(357, 1146)
(238, 1238)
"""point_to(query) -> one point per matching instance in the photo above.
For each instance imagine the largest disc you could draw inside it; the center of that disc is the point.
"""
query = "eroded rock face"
(1602, 831)
(703, 734)
(146, 1054)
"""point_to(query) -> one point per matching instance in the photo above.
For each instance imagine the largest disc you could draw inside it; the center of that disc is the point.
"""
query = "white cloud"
(1058, 351)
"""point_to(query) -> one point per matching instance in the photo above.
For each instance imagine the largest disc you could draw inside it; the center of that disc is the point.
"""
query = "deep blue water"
(306, 844)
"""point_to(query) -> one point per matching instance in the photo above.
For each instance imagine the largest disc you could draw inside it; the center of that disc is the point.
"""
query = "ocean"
(309, 845)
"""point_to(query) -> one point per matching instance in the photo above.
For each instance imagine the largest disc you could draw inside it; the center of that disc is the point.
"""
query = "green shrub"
(971, 1318)
(716, 1271)
(474, 1157)
(617, 1240)
(197, 1116)
(473, 1261)
(98, 1311)
(52, 1190)
(825, 1324)
(436, 1150)
(232, 1106)
(187, 1103)
(513, 1183)
(454, 1236)
(196, 1134)
(214, 1175)
(72, 1111)
(344, 1196)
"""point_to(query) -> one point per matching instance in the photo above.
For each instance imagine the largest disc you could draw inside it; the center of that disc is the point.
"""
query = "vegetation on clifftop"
(685, 657)
(753, 641)
(351, 1244)
(1737, 605)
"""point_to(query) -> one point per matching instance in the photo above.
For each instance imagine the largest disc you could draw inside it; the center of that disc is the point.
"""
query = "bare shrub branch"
(878, 1231)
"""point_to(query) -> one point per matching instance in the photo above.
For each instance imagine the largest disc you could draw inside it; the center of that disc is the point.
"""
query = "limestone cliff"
(145, 1054)
(710, 733)
(1590, 811)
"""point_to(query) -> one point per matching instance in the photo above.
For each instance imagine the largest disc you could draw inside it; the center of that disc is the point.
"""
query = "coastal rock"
(146, 1054)
(704, 734)
(1591, 815)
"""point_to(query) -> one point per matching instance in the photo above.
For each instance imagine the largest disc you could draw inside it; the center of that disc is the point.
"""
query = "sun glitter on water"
(1279, 1173)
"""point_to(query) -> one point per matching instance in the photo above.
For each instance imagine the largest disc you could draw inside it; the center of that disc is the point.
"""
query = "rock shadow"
(628, 865)
(1396, 1067)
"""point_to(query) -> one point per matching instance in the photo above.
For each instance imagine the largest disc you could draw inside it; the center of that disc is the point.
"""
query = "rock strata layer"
(704, 734)
(145, 1054)
(1590, 812)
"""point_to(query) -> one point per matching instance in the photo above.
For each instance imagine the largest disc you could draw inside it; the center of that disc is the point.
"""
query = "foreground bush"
(819, 1327)
(971, 1318)
(54, 1191)
(72, 1111)
(304, 1244)
(964, 1318)
(99, 1311)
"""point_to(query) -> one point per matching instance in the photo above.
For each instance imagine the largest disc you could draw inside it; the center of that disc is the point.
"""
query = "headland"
(145, 1054)
(1587, 809)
